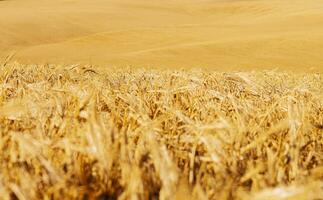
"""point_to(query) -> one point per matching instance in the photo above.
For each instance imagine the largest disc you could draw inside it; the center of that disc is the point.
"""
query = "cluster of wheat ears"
(77, 133)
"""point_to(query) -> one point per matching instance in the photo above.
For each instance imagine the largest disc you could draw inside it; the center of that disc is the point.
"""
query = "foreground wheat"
(74, 133)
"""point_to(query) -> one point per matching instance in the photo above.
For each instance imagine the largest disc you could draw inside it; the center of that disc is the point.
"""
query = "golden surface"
(221, 35)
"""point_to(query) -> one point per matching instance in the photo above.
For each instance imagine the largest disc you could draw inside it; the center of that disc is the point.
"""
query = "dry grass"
(75, 133)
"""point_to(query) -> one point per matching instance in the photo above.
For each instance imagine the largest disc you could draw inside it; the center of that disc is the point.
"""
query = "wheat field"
(76, 132)
(169, 100)
(210, 34)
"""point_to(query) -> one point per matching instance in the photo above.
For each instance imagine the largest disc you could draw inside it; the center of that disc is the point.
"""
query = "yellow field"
(152, 99)
(80, 133)
(213, 34)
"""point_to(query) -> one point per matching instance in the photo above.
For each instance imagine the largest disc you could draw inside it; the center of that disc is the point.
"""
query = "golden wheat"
(77, 133)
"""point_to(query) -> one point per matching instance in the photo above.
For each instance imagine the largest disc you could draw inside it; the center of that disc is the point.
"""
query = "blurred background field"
(211, 34)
